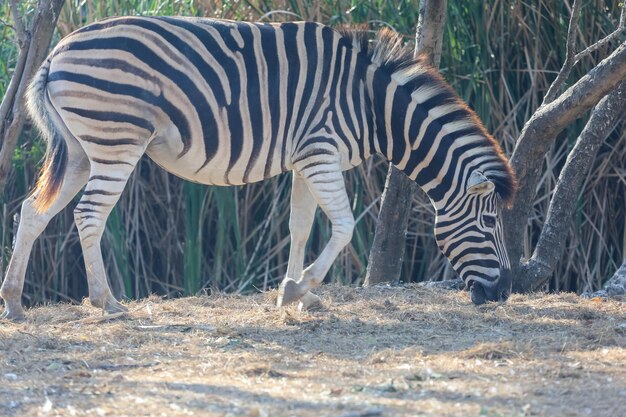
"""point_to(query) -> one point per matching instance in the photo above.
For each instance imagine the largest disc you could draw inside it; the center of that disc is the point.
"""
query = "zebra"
(223, 103)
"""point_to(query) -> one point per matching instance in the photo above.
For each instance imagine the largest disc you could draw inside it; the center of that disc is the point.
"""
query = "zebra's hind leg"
(303, 208)
(325, 182)
(32, 223)
(104, 187)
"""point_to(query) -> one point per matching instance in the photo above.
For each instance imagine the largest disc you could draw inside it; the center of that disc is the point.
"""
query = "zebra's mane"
(390, 54)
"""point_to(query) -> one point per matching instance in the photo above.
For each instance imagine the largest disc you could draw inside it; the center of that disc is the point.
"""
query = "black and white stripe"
(221, 102)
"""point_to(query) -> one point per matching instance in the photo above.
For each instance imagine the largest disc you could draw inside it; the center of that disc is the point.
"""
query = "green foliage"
(172, 237)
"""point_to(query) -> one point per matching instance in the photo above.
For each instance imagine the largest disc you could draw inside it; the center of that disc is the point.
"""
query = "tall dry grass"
(170, 237)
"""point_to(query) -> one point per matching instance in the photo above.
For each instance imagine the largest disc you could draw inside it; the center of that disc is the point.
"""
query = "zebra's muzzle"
(480, 294)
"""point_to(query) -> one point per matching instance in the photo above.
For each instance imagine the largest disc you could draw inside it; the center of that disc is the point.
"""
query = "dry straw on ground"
(373, 352)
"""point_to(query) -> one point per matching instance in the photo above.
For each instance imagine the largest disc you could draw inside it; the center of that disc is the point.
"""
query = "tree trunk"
(33, 45)
(549, 249)
(387, 253)
(536, 137)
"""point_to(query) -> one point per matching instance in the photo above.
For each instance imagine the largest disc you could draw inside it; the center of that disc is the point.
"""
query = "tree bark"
(616, 285)
(34, 45)
(387, 253)
(535, 139)
(430, 26)
(549, 248)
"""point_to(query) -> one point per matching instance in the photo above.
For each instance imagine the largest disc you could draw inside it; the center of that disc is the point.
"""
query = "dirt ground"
(372, 352)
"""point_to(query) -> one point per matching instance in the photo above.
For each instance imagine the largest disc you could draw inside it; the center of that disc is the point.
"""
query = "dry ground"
(373, 352)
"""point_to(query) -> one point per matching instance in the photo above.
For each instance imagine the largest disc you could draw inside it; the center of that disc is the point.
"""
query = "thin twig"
(9, 97)
(607, 39)
(7, 24)
(570, 56)
(22, 35)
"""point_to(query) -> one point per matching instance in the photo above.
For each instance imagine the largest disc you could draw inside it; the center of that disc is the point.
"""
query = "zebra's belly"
(218, 171)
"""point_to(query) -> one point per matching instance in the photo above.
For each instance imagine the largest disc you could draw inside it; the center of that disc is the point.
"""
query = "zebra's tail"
(43, 115)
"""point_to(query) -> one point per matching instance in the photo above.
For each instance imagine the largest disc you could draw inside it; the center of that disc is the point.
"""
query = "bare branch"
(570, 56)
(23, 44)
(7, 24)
(9, 96)
(607, 39)
(22, 35)
(35, 51)
(549, 120)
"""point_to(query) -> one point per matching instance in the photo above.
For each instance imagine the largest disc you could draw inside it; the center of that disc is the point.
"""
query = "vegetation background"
(170, 237)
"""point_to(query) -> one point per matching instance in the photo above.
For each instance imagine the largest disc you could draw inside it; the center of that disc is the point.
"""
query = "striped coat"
(228, 103)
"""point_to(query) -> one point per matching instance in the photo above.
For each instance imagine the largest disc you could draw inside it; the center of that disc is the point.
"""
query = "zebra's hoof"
(15, 314)
(112, 306)
(310, 302)
(288, 292)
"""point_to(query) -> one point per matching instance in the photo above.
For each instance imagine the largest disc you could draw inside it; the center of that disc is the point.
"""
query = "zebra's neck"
(426, 131)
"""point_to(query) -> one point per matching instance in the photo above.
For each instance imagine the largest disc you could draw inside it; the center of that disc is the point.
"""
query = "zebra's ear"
(478, 183)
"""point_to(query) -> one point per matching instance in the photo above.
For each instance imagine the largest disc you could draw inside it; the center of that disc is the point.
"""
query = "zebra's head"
(468, 230)
(426, 130)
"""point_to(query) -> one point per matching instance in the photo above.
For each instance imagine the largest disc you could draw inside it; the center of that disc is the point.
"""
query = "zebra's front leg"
(303, 208)
(103, 190)
(328, 188)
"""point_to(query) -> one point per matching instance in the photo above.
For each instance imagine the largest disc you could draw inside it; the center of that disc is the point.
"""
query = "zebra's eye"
(489, 221)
